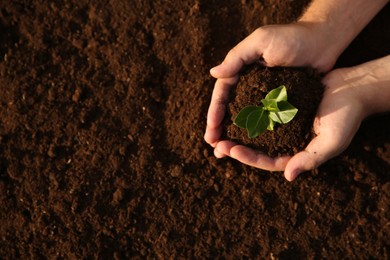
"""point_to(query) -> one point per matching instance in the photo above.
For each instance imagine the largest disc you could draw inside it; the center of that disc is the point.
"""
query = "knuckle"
(233, 53)
(259, 31)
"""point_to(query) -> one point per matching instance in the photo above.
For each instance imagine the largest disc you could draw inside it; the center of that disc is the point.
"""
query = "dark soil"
(304, 91)
(103, 108)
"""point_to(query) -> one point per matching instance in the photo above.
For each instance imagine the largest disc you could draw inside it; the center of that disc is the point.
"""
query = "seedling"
(275, 109)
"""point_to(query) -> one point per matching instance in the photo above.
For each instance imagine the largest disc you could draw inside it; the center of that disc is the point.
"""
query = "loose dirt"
(103, 108)
(304, 91)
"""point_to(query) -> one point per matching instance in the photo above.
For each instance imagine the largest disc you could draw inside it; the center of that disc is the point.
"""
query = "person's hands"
(351, 94)
(317, 39)
(298, 44)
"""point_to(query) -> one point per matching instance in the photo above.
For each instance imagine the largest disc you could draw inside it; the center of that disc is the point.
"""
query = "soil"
(304, 91)
(103, 108)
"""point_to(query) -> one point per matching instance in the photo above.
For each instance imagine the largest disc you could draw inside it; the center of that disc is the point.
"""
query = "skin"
(351, 94)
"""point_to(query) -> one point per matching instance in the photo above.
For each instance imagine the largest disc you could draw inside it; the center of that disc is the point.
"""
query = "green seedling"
(274, 109)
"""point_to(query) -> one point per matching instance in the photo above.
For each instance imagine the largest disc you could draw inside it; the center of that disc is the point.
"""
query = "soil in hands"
(102, 114)
(304, 90)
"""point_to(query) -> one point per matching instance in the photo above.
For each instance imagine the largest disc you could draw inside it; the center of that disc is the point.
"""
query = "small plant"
(275, 109)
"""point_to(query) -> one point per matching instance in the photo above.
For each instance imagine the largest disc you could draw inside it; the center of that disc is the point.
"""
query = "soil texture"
(304, 91)
(102, 114)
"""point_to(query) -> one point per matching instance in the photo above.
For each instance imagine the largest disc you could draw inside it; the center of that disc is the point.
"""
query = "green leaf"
(275, 117)
(285, 114)
(274, 109)
(270, 104)
(242, 116)
(279, 94)
(257, 122)
(271, 125)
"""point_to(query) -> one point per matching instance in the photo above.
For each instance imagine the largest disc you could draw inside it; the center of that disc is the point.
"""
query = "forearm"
(340, 21)
(370, 84)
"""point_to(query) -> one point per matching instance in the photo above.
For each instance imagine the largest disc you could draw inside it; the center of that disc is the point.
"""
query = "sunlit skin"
(351, 94)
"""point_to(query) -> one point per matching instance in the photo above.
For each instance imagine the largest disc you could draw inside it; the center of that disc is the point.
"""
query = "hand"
(298, 44)
(351, 94)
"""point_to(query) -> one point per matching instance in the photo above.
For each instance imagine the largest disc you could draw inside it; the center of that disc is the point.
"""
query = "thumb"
(337, 121)
(301, 162)
(320, 150)
(246, 52)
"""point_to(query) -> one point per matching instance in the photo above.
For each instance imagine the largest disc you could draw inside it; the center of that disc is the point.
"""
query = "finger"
(218, 154)
(247, 51)
(251, 157)
(217, 108)
(219, 100)
(338, 118)
(319, 150)
(212, 135)
(224, 147)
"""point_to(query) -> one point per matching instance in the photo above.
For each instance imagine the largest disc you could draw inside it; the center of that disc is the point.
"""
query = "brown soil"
(304, 91)
(103, 107)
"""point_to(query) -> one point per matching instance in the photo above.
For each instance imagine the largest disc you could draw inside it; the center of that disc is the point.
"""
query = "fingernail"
(215, 69)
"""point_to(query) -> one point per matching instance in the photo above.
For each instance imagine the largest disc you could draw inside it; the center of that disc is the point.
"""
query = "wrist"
(367, 84)
(336, 23)
(321, 45)
(376, 77)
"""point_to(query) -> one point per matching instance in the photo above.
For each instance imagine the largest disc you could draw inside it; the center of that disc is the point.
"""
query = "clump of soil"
(102, 114)
(304, 90)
